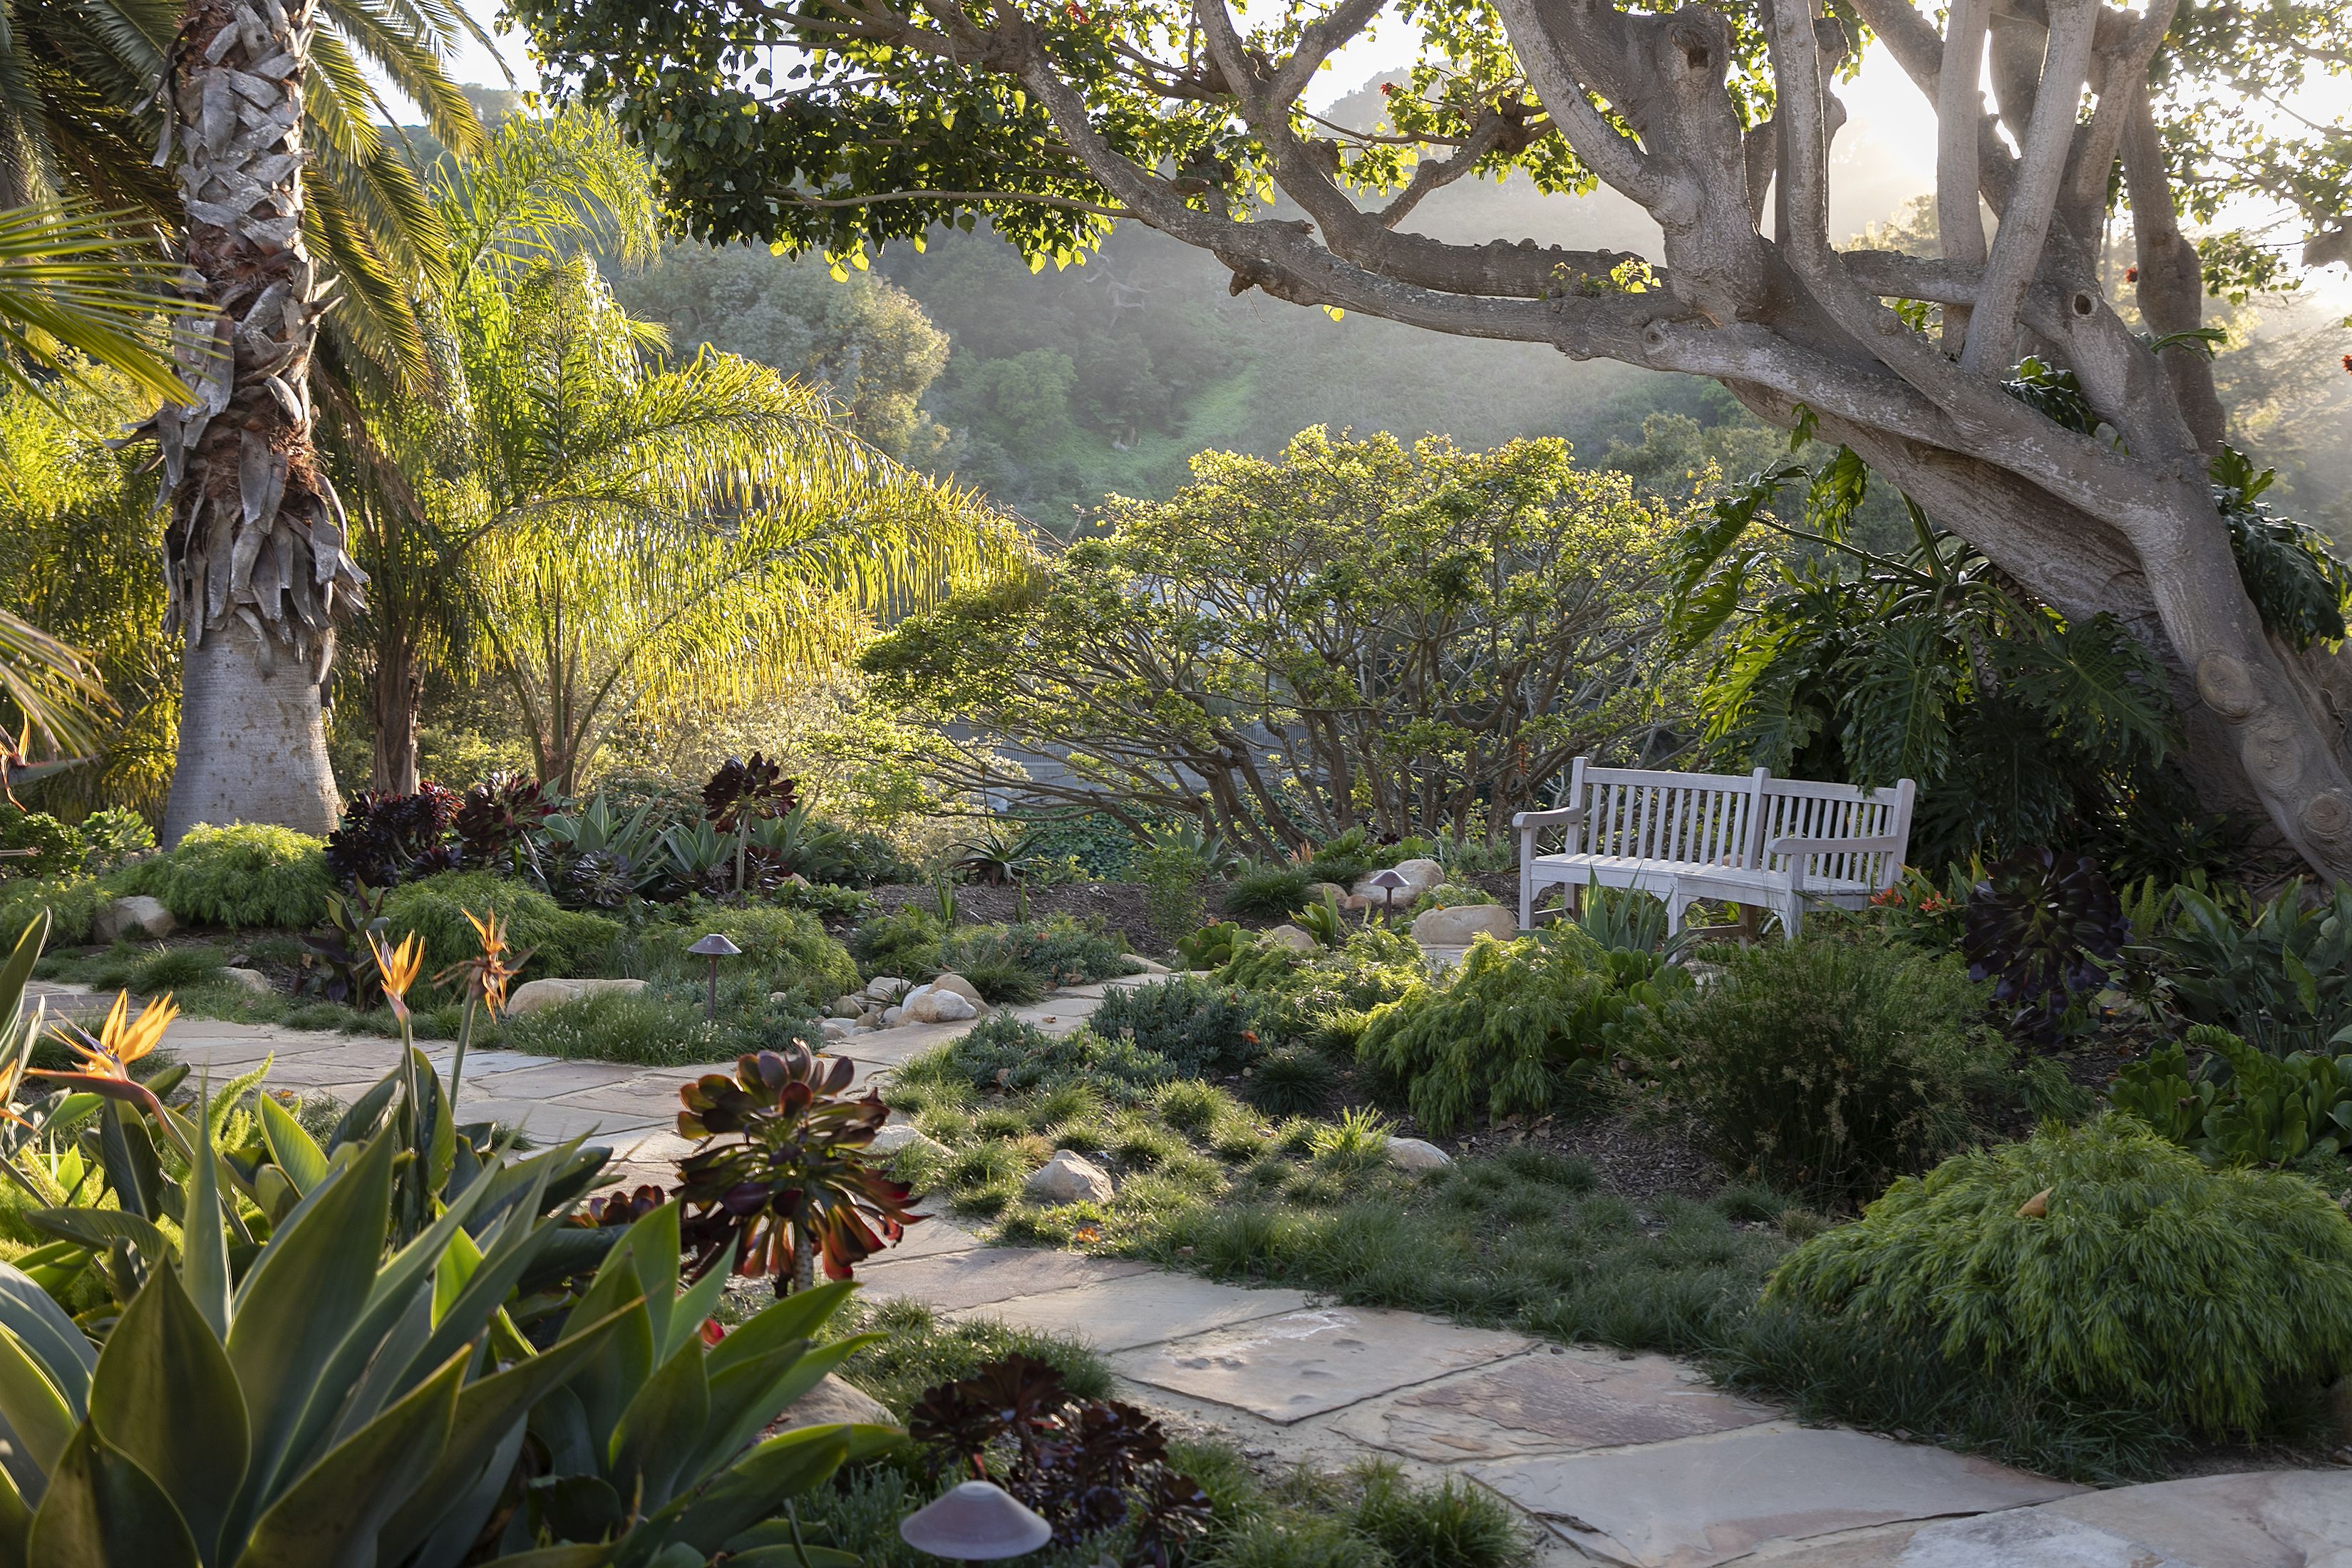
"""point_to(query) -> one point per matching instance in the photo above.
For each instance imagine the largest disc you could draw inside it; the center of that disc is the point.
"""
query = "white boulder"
(892, 1018)
(1069, 1178)
(848, 1006)
(1464, 923)
(532, 996)
(887, 988)
(836, 1028)
(900, 1135)
(961, 987)
(141, 915)
(834, 1403)
(253, 980)
(1414, 1155)
(1420, 876)
(1288, 936)
(937, 1006)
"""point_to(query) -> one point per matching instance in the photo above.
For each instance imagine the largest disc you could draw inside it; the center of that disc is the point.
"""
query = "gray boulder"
(1417, 1156)
(139, 916)
(1464, 923)
(532, 996)
(1069, 1178)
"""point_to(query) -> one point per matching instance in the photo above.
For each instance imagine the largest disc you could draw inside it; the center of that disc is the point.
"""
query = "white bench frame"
(1758, 841)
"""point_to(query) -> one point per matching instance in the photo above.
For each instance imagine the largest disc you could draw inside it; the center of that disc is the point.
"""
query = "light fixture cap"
(1390, 880)
(715, 946)
(978, 1522)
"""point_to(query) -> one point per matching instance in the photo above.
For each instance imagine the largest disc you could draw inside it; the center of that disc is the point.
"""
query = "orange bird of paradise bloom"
(398, 965)
(122, 1039)
(488, 975)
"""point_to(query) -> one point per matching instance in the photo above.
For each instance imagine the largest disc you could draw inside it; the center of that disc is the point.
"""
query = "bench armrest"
(1526, 821)
(1810, 846)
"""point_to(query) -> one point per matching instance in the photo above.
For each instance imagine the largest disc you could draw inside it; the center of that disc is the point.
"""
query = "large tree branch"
(2172, 280)
(1960, 116)
(2018, 245)
(1605, 150)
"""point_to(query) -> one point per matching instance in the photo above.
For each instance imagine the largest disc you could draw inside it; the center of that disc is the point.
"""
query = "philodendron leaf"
(165, 1395)
(101, 1510)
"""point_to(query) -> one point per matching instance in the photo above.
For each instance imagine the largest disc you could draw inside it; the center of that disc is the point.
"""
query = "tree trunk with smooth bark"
(255, 555)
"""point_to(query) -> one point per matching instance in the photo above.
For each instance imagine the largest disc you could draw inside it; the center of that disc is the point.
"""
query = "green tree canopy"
(1414, 639)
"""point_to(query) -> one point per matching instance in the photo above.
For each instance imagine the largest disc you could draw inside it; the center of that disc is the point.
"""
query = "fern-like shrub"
(74, 904)
(1198, 1026)
(1299, 997)
(246, 875)
(434, 909)
(1511, 1028)
(786, 947)
(2146, 1283)
(905, 944)
(1826, 1067)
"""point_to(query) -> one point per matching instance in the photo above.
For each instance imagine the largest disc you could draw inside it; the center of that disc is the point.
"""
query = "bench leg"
(1751, 921)
(1675, 905)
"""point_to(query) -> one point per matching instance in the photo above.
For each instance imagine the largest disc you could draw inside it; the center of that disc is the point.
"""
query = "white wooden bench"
(1774, 844)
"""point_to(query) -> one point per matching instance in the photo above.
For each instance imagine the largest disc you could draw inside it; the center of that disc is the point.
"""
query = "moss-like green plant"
(434, 908)
(73, 903)
(906, 944)
(1826, 1067)
(1199, 1026)
(1511, 1028)
(246, 875)
(787, 945)
(1263, 889)
(2101, 1266)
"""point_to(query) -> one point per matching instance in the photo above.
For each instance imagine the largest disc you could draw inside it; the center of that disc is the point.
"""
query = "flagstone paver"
(1629, 1460)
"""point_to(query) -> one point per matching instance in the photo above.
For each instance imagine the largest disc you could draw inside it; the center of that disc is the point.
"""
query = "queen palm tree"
(268, 176)
(614, 529)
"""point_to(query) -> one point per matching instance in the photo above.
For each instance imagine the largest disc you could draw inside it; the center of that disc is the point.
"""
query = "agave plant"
(998, 856)
(782, 1177)
(2044, 928)
(328, 1403)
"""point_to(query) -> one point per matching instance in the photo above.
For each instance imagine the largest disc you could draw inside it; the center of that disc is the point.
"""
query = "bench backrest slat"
(1634, 813)
(1800, 808)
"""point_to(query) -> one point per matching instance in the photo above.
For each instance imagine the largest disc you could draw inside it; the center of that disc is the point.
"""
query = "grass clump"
(1197, 1025)
(906, 944)
(2150, 1301)
(434, 908)
(1001, 1053)
(1291, 1081)
(1267, 891)
(1826, 1067)
(1512, 1029)
(1060, 950)
(664, 1024)
(248, 875)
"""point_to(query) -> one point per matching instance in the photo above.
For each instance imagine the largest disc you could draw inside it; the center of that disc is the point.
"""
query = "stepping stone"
(1703, 1500)
(548, 1123)
(935, 1237)
(1140, 1310)
(1556, 1401)
(1305, 1363)
(955, 1280)
(2267, 1519)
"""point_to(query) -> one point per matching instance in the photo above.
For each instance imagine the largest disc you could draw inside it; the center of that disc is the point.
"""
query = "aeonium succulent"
(782, 1178)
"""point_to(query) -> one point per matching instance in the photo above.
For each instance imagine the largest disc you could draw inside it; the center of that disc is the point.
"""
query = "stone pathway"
(1618, 1458)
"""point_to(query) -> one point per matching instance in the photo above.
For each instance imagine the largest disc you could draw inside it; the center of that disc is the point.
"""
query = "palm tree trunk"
(254, 553)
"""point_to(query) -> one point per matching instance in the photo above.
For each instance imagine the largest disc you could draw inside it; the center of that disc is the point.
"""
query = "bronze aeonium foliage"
(782, 1179)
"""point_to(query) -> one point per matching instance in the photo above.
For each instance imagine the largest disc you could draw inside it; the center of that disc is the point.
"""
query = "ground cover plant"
(1257, 1515)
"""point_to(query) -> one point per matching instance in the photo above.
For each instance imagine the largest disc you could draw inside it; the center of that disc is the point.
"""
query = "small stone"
(533, 995)
(848, 1006)
(1289, 936)
(834, 1403)
(1069, 1178)
(900, 1135)
(253, 980)
(1320, 892)
(1417, 1155)
(1147, 966)
(961, 987)
(887, 988)
(870, 1019)
(1462, 924)
(836, 1028)
(126, 917)
(937, 1006)
(891, 1016)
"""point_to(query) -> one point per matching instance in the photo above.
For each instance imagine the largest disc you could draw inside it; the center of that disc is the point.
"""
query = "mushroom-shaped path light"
(714, 947)
(979, 1521)
(1388, 882)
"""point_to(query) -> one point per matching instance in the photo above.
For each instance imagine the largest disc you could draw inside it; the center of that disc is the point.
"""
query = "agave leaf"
(503, 1262)
(659, 1428)
(694, 1304)
(297, 1303)
(358, 1121)
(206, 1243)
(35, 1413)
(748, 1394)
(555, 1557)
(332, 1514)
(782, 1468)
(53, 1340)
(101, 1510)
(796, 1316)
(165, 1397)
(491, 1413)
(99, 1229)
(302, 1161)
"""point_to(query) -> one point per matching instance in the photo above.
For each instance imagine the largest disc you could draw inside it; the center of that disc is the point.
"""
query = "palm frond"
(405, 43)
(55, 688)
(70, 285)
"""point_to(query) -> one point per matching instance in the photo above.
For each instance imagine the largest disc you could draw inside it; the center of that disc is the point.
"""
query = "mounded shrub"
(1826, 1067)
(1002, 1052)
(434, 908)
(245, 875)
(1061, 950)
(46, 846)
(1268, 890)
(788, 946)
(74, 904)
(1509, 1030)
(2149, 1283)
(905, 943)
(1197, 1025)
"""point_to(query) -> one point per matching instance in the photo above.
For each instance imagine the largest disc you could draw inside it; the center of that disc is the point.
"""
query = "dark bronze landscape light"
(979, 1521)
(714, 947)
(1388, 882)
